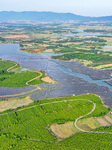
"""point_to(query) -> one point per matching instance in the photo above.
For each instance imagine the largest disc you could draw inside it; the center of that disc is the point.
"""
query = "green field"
(29, 127)
(17, 78)
(95, 58)
(4, 65)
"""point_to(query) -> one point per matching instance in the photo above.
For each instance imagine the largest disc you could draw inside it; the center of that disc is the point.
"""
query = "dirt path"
(8, 70)
(20, 94)
(35, 77)
(75, 123)
(87, 115)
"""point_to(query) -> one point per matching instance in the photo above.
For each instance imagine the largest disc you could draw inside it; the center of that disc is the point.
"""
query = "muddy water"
(74, 77)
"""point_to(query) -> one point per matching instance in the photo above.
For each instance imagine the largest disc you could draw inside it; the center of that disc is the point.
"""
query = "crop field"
(49, 124)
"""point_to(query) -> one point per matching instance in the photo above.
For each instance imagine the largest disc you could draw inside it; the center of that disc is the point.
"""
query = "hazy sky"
(79, 7)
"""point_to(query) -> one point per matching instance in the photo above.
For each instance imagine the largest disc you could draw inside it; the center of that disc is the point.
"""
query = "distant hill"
(47, 16)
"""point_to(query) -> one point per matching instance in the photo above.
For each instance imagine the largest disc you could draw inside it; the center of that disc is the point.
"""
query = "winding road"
(27, 83)
(8, 70)
(75, 123)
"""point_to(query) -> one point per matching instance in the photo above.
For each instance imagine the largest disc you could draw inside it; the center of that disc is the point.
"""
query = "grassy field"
(12, 76)
(30, 127)
(4, 65)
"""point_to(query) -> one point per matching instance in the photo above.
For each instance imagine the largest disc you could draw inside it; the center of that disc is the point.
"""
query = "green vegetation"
(17, 79)
(97, 59)
(2, 39)
(38, 81)
(29, 128)
(105, 129)
(4, 65)
(94, 30)
(74, 49)
(50, 37)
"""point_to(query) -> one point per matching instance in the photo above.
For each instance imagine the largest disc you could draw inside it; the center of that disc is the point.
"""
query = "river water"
(83, 33)
(74, 77)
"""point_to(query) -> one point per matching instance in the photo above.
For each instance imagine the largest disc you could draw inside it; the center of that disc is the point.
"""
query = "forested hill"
(47, 16)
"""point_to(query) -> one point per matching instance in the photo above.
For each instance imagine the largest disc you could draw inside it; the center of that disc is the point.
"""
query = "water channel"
(83, 33)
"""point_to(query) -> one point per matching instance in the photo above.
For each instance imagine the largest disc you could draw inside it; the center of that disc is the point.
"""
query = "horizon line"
(52, 12)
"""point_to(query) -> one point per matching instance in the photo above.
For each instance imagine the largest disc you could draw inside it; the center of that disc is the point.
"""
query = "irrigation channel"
(74, 77)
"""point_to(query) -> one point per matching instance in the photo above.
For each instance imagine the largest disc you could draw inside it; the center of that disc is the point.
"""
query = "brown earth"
(108, 119)
(102, 66)
(64, 130)
(29, 44)
(94, 122)
(48, 51)
(15, 36)
(14, 103)
(48, 79)
(43, 45)
(107, 39)
(102, 122)
(38, 49)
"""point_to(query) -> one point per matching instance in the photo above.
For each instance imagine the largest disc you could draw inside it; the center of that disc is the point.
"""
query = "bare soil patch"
(108, 119)
(16, 36)
(14, 103)
(48, 79)
(29, 45)
(85, 127)
(43, 45)
(48, 51)
(38, 49)
(64, 130)
(90, 122)
(103, 122)
(107, 38)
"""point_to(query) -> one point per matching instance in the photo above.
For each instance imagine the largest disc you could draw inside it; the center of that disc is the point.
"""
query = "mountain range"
(47, 16)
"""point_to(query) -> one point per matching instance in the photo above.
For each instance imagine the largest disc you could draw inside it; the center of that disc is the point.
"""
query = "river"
(74, 77)
(83, 33)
